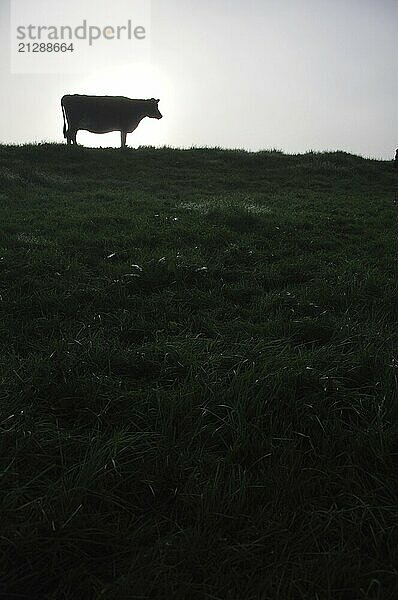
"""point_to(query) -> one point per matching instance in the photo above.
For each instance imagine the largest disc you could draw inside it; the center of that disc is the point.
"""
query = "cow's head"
(153, 109)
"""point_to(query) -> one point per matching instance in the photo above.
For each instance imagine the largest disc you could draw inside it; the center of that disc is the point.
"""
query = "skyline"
(298, 76)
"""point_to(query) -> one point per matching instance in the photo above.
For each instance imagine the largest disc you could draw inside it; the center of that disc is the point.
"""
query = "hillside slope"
(198, 374)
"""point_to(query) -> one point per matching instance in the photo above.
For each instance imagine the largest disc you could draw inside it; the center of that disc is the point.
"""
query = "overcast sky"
(296, 75)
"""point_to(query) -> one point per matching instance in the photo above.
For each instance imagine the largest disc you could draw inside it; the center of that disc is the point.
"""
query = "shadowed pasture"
(198, 359)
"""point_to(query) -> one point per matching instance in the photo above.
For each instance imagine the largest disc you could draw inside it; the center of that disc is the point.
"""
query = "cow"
(102, 114)
(396, 159)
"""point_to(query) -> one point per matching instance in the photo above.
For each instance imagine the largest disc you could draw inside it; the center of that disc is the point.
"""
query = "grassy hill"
(199, 362)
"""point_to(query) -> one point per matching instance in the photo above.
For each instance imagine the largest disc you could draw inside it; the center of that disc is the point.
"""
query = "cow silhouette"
(396, 159)
(103, 114)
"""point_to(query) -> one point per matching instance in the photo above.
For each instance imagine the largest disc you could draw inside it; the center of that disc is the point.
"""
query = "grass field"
(199, 359)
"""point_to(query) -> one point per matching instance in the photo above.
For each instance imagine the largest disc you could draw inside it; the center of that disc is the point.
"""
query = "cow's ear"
(158, 101)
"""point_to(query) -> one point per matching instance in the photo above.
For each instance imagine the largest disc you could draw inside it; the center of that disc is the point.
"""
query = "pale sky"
(296, 75)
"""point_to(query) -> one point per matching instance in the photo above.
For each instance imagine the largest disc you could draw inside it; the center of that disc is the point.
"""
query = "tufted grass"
(198, 362)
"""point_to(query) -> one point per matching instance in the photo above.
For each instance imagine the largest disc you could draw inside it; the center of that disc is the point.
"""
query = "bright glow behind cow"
(140, 80)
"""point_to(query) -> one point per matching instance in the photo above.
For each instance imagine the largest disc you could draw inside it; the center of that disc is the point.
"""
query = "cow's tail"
(64, 115)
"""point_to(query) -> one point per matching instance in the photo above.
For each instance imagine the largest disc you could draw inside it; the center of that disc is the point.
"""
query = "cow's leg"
(73, 134)
(68, 136)
(123, 135)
